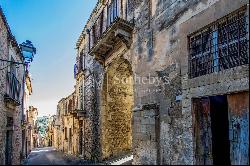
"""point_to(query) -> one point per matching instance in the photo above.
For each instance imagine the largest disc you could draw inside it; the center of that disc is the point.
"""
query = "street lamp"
(28, 52)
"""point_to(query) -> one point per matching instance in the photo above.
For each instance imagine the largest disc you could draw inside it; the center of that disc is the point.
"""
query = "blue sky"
(53, 26)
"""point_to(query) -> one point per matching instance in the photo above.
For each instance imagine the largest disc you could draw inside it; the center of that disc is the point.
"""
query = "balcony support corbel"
(124, 36)
(120, 31)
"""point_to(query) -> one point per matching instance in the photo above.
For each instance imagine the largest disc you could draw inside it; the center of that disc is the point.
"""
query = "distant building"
(59, 124)
(49, 135)
(31, 129)
(67, 129)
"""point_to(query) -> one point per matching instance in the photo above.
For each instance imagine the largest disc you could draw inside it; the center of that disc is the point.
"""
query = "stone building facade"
(67, 132)
(31, 140)
(156, 75)
(50, 132)
(11, 92)
(59, 125)
(26, 108)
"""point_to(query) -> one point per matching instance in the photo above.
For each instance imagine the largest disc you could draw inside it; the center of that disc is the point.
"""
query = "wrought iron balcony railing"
(109, 29)
(112, 12)
(13, 89)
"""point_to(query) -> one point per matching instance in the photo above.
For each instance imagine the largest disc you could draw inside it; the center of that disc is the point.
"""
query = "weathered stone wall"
(3, 55)
(92, 107)
(117, 105)
(72, 143)
(160, 46)
(94, 104)
(146, 129)
(91, 81)
(70, 126)
(32, 117)
(8, 49)
(155, 48)
(225, 82)
(60, 122)
(159, 59)
(89, 105)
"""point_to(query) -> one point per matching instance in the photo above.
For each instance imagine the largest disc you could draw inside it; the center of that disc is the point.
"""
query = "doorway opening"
(220, 130)
(211, 130)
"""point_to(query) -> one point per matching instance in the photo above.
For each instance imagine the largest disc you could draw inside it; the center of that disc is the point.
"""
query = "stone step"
(125, 160)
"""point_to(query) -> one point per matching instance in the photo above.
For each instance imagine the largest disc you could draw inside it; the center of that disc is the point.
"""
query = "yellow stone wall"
(66, 141)
(32, 114)
(117, 109)
(60, 120)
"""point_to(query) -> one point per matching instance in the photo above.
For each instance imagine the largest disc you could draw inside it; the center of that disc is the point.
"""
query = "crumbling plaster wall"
(158, 55)
(117, 108)
(159, 49)
(4, 55)
(224, 82)
(92, 85)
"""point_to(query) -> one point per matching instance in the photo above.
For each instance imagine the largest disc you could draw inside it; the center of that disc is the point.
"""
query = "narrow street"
(124, 82)
(50, 156)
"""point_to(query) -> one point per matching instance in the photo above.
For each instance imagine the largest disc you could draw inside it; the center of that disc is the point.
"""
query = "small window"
(219, 46)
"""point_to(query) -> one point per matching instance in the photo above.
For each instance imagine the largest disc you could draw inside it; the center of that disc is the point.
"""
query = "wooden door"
(202, 131)
(238, 108)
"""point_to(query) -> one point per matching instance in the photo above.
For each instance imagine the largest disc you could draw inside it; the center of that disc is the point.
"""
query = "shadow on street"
(50, 156)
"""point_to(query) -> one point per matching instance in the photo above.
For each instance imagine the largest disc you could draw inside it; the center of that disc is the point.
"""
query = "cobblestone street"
(50, 156)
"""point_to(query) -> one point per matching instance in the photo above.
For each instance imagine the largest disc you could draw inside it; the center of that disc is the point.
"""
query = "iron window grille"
(220, 45)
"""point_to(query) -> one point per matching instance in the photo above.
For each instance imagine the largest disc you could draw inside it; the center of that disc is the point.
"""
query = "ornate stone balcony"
(118, 31)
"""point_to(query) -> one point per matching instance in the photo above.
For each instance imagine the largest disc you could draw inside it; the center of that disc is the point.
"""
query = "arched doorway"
(118, 101)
